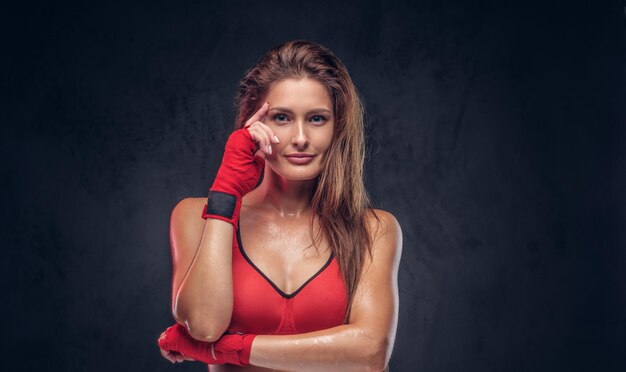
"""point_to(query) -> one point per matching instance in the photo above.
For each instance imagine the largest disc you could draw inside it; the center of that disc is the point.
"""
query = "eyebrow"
(291, 112)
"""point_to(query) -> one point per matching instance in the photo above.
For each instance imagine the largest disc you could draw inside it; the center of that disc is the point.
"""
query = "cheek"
(283, 134)
(326, 140)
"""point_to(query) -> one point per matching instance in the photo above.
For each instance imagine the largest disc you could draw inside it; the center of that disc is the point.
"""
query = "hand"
(261, 133)
(232, 348)
(172, 356)
(240, 170)
(176, 344)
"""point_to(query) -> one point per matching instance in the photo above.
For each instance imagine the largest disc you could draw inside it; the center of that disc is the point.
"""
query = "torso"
(297, 277)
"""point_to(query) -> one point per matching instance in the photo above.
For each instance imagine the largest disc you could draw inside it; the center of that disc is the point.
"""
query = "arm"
(201, 256)
(203, 298)
(366, 343)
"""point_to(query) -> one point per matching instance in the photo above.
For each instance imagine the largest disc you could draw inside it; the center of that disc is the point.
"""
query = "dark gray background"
(496, 137)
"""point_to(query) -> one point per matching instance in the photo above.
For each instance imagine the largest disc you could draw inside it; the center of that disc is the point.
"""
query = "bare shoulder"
(382, 223)
(188, 207)
(188, 213)
(386, 235)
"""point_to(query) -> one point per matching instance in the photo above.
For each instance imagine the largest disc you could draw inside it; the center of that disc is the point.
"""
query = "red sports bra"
(260, 307)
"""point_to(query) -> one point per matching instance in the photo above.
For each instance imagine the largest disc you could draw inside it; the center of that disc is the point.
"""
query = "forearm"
(205, 298)
(346, 348)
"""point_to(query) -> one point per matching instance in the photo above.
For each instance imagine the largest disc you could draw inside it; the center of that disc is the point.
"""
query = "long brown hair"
(340, 200)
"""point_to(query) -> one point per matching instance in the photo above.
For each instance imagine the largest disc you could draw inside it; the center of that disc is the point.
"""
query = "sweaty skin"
(299, 114)
(364, 342)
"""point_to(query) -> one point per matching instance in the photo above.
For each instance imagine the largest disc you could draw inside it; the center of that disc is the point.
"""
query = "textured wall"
(496, 137)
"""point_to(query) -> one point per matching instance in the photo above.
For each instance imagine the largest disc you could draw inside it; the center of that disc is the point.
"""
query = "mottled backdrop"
(495, 136)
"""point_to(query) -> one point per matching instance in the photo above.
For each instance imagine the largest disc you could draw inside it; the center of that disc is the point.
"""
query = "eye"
(318, 119)
(280, 117)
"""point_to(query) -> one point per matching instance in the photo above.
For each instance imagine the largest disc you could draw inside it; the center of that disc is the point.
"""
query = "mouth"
(300, 159)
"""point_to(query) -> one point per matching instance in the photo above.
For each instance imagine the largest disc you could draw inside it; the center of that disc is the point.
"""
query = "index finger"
(258, 115)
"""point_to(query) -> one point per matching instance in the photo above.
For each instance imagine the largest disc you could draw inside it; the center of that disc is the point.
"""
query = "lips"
(300, 159)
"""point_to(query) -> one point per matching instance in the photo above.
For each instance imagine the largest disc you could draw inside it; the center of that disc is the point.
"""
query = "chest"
(261, 306)
(285, 255)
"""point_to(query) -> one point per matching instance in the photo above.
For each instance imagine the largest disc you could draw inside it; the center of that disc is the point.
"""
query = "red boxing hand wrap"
(238, 174)
(178, 339)
(236, 347)
(230, 348)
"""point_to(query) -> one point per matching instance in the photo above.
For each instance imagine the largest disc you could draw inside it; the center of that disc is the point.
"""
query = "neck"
(289, 198)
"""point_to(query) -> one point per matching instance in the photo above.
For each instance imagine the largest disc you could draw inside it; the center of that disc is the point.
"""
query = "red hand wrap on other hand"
(230, 348)
(235, 345)
(238, 174)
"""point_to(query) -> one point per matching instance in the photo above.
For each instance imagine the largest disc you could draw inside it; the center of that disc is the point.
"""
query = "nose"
(300, 138)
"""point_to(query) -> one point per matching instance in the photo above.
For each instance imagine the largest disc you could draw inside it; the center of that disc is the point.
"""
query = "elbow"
(202, 328)
(378, 356)
(204, 331)
(207, 333)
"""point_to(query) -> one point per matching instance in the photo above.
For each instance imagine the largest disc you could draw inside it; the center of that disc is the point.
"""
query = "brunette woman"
(286, 265)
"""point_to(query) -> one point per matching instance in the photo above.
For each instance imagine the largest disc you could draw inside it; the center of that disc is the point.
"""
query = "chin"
(300, 173)
(298, 176)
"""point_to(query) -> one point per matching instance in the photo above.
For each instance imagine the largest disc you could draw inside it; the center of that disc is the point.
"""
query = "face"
(301, 115)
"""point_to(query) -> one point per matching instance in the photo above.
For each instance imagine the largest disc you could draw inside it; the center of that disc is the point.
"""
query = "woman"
(289, 268)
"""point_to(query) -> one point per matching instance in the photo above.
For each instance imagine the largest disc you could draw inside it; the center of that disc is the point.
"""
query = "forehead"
(302, 93)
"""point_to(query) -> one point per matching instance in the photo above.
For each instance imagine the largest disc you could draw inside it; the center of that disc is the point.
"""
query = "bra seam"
(280, 291)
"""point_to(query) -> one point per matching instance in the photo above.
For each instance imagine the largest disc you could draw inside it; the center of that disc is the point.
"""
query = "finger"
(180, 357)
(264, 138)
(270, 133)
(174, 356)
(258, 115)
(254, 134)
(166, 355)
(260, 154)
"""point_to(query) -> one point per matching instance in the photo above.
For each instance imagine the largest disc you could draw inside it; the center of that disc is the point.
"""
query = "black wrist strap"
(221, 204)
